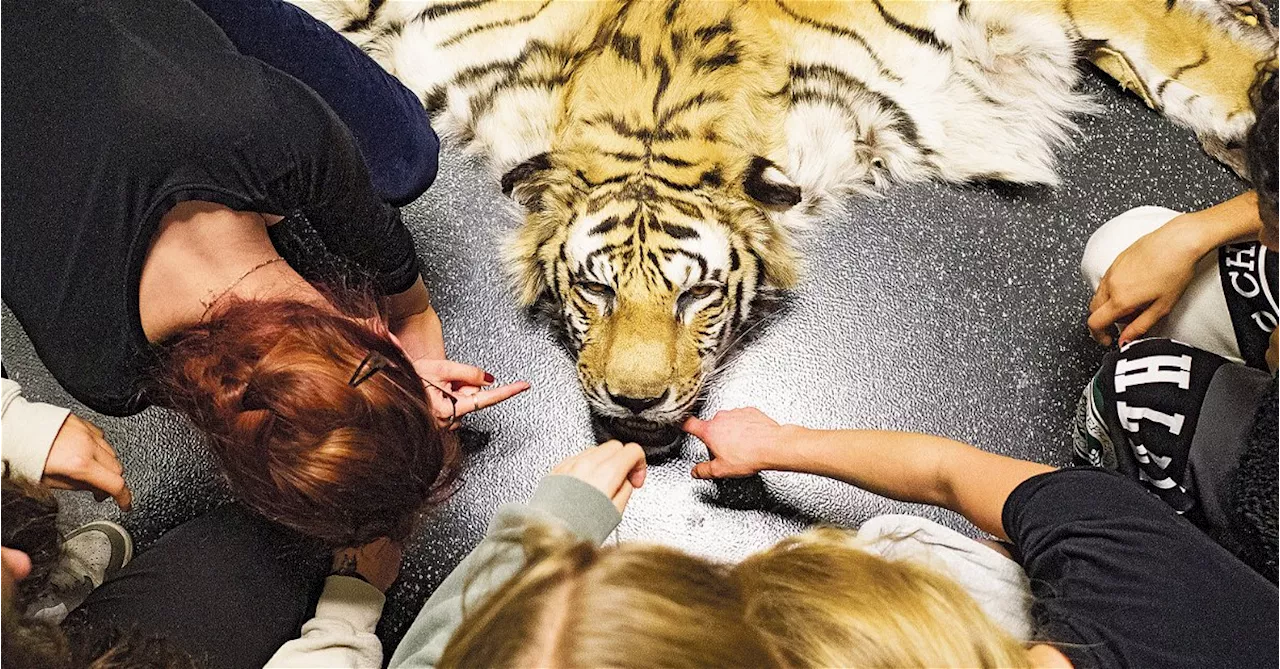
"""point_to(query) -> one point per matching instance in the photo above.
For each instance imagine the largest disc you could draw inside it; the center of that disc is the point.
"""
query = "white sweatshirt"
(341, 634)
(28, 431)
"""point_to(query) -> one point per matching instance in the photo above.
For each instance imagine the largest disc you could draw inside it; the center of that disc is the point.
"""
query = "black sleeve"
(1120, 580)
(340, 203)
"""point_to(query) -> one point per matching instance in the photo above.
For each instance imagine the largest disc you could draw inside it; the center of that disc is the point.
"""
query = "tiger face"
(649, 282)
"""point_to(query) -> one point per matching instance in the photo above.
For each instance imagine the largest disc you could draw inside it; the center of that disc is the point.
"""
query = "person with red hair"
(189, 227)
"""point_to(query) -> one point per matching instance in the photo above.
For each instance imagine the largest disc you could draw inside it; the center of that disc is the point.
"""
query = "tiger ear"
(767, 184)
(526, 182)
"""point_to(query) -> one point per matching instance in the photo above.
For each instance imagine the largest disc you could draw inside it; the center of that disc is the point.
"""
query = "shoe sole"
(116, 535)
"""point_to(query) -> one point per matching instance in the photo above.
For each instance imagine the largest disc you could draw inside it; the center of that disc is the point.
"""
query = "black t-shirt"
(1120, 580)
(113, 113)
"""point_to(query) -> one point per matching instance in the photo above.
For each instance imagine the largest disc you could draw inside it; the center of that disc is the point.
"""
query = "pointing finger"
(696, 427)
(487, 398)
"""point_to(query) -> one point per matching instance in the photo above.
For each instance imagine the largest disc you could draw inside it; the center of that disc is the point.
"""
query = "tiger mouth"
(651, 436)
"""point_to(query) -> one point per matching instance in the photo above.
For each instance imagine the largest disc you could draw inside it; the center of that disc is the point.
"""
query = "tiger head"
(650, 279)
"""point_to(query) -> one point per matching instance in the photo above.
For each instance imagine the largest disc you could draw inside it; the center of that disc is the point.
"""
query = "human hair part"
(816, 600)
(636, 605)
(270, 383)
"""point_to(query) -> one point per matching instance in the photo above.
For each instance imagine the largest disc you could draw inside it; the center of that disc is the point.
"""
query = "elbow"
(941, 490)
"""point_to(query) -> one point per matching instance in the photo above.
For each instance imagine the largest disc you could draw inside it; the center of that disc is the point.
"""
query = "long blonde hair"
(815, 600)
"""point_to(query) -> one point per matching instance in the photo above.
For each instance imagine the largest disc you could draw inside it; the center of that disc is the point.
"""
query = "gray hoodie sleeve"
(559, 499)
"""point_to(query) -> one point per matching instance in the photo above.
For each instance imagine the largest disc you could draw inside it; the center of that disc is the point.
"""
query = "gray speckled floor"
(951, 310)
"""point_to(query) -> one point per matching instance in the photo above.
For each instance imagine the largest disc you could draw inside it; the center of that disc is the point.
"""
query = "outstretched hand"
(81, 459)
(613, 468)
(742, 442)
(456, 389)
(453, 388)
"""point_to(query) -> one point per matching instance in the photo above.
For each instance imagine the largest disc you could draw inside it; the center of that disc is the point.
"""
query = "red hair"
(268, 381)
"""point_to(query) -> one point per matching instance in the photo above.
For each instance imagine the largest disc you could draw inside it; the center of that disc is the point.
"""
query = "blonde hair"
(815, 600)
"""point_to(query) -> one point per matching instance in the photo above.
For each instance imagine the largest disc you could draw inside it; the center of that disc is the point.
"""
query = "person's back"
(110, 122)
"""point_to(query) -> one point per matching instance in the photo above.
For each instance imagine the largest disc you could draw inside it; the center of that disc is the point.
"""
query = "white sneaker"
(91, 554)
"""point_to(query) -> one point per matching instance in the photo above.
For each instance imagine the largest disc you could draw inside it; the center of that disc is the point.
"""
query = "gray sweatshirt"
(334, 640)
(561, 500)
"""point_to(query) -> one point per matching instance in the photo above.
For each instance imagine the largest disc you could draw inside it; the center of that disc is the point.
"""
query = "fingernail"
(488, 378)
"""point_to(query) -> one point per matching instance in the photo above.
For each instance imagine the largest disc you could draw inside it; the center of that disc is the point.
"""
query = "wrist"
(787, 451)
(1193, 234)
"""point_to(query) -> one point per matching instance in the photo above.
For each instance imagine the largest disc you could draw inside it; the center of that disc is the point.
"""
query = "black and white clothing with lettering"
(1180, 421)
(1248, 274)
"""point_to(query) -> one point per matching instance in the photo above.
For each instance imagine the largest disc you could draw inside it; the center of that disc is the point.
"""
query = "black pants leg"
(388, 121)
(229, 588)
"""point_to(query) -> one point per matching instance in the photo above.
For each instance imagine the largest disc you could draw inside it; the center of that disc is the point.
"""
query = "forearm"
(1226, 222)
(901, 465)
(414, 321)
(910, 467)
(342, 632)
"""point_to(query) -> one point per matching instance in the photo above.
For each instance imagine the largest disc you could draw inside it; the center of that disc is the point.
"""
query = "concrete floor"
(957, 311)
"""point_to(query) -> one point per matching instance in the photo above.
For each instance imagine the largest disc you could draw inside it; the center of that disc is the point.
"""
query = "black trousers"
(228, 587)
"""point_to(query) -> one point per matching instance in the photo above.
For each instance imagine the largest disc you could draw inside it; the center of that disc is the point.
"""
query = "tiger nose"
(637, 404)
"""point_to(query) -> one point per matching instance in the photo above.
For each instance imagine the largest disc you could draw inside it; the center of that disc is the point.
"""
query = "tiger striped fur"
(666, 151)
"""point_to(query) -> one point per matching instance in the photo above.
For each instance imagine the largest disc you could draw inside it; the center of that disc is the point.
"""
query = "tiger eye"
(701, 291)
(596, 288)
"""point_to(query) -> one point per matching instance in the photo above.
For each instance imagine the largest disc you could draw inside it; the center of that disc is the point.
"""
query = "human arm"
(49, 444)
(584, 495)
(415, 323)
(904, 466)
(416, 328)
(29, 430)
(1147, 279)
(341, 634)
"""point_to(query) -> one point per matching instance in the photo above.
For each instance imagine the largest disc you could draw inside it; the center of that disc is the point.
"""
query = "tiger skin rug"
(665, 153)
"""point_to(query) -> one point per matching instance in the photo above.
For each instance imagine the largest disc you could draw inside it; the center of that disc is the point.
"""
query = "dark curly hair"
(30, 525)
(1262, 141)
